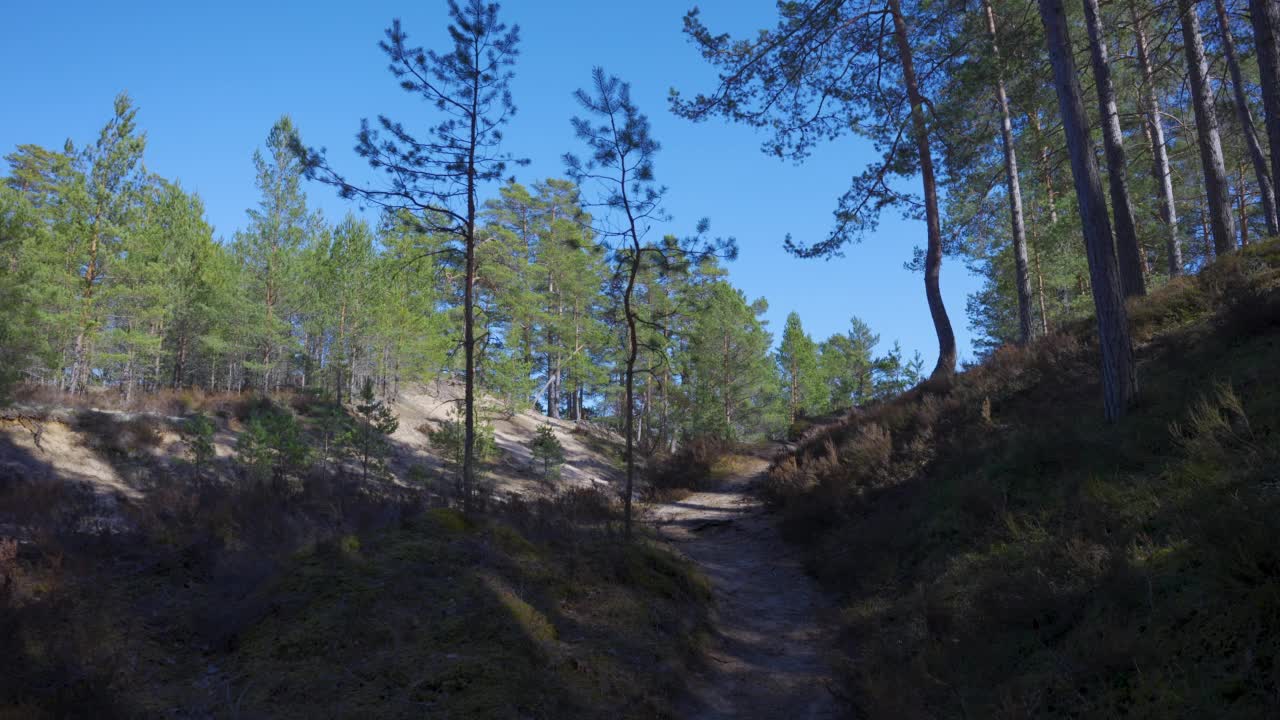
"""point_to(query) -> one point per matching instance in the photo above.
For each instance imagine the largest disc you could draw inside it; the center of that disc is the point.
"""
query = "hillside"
(1000, 551)
(136, 583)
(114, 451)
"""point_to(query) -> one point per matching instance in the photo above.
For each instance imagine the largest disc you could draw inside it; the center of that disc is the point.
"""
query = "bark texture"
(1265, 15)
(1218, 196)
(1119, 380)
(1159, 149)
(1128, 253)
(946, 366)
(1256, 155)
(1016, 217)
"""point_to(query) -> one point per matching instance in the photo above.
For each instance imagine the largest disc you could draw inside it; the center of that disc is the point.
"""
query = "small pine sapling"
(548, 451)
(367, 438)
(449, 438)
(197, 434)
(272, 446)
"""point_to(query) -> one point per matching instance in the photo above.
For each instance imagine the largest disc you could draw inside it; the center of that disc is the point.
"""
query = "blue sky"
(211, 78)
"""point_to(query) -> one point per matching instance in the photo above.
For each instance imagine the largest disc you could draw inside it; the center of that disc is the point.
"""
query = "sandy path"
(766, 660)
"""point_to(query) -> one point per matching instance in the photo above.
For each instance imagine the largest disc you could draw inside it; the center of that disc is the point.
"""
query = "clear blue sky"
(211, 78)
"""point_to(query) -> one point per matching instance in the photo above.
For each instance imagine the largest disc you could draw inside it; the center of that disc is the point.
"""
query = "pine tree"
(1244, 116)
(21, 343)
(803, 383)
(104, 204)
(367, 438)
(1119, 379)
(434, 180)
(835, 67)
(547, 451)
(846, 361)
(733, 382)
(1211, 159)
(621, 164)
(1128, 253)
(270, 250)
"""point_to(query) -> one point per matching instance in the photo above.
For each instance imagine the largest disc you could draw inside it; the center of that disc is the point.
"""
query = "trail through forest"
(766, 658)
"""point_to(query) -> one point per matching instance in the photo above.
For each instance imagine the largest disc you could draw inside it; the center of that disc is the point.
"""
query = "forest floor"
(766, 656)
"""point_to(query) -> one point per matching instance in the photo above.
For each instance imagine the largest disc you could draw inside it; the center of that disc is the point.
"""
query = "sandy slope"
(766, 660)
(587, 449)
(52, 447)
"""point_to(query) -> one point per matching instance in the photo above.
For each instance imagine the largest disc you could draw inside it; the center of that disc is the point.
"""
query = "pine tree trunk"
(180, 360)
(1243, 114)
(129, 381)
(469, 368)
(80, 358)
(946, 366)
(633, 349)
(1022, 275)
(1119, 381)
(1044, 313)
(1215, 169)
(1242, 206)
(469, 332)
(1159, 149)
(1128, 254)
(1266, 25)
(795, 393)
(1051, 204)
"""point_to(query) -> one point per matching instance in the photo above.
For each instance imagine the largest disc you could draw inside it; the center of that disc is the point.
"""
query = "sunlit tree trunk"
(1119, 381)
(1221, 221)
(946, 366)
(1256, 155)
(1018, 226)
(1159, 148)
(1266, 24)
(1128, 254)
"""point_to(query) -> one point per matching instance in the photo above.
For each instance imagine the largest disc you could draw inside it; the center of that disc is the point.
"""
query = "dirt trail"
(766, 660)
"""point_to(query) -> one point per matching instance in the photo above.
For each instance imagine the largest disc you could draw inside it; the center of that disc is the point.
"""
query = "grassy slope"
(1004, 553)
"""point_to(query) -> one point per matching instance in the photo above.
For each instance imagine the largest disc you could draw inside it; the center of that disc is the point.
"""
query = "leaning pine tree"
(434, 178)
(837, 66)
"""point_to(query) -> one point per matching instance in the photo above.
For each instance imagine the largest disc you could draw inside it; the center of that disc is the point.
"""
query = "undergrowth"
(233, 595)
(1001, 552)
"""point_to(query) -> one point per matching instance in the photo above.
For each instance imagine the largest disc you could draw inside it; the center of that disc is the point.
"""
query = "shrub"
(690, 467)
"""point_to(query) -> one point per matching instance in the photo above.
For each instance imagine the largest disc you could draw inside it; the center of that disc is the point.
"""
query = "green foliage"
(272, 445)
(847, 364)
(733, 382)
(197, 433)
(547, 451)
(366, 439)
(509, 378)
(449, 437)
(270, 251)
(803, 383)
(21, 344)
